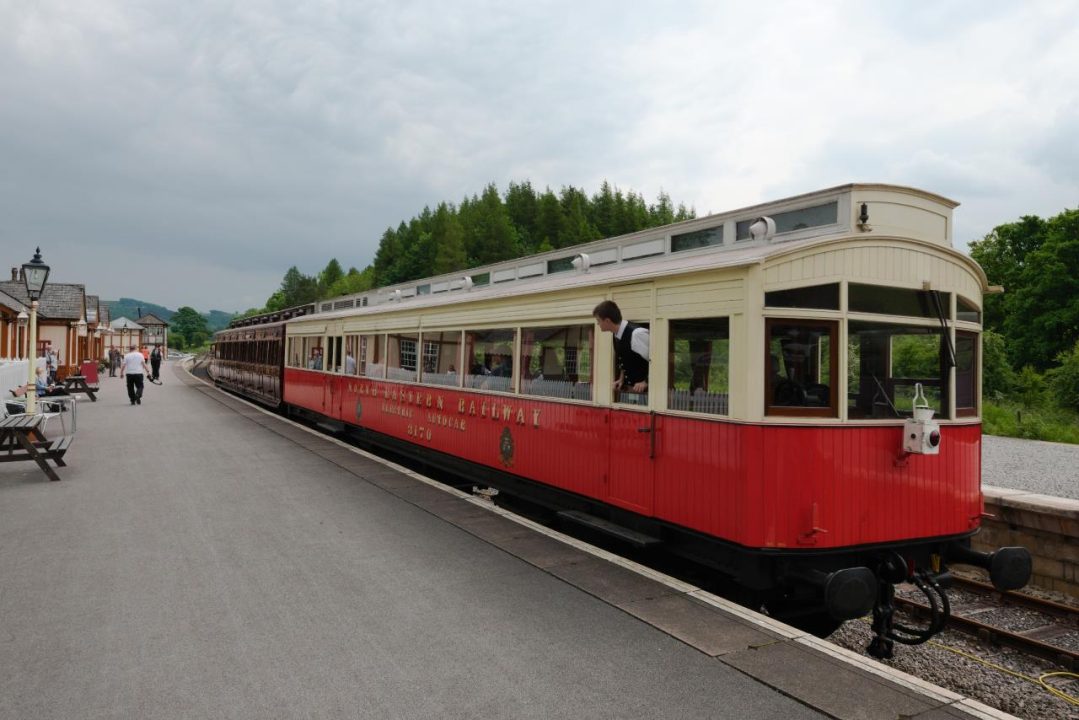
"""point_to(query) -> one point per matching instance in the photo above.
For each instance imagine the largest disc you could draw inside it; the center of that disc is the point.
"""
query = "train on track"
(810, 425)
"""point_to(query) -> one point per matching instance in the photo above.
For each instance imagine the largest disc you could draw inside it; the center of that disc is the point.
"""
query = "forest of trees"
(1031, 341)
(483, 229)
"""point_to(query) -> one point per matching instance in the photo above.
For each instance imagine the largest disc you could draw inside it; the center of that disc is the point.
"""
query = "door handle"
(651, 430)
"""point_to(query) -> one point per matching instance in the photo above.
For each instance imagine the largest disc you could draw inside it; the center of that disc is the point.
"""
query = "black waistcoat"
(634, 367)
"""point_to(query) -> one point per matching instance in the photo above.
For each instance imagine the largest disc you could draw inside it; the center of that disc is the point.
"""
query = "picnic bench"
(77, 384)
(21, 438)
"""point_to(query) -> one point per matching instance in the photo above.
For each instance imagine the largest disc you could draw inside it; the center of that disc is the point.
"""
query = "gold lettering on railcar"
(517, 414)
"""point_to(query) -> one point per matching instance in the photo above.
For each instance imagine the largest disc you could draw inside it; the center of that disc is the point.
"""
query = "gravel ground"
(935, 662)
(1041, 467)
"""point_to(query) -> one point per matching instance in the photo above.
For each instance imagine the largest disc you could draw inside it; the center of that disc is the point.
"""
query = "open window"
(441, 358)
(489, 359)
(557, 362)
(801, 367)
(699, 365)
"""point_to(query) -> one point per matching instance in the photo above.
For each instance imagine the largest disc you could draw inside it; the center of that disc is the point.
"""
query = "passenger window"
(352, 351)
(401, 361)
(372, 360)
(313, 352)
(489, 357)
(335, 354)
(441, 357)
(557, 362)
(699, 366)
(820, 297)
(625, 394)
(800, 368)
(897, 301)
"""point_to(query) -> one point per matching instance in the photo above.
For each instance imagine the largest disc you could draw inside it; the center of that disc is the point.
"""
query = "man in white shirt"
(134, 366)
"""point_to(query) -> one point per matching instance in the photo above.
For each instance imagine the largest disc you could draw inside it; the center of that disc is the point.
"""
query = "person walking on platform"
(114, 361)
(134, 366)
(155, 365)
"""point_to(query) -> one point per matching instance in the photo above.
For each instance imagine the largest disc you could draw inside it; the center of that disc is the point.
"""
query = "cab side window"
(801, 367)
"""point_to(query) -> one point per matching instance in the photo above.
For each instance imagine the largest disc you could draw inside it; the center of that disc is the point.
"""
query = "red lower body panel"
(760, 486)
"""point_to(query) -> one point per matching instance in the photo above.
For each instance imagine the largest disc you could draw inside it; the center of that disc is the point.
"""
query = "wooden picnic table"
(21, 438)
(77, 384)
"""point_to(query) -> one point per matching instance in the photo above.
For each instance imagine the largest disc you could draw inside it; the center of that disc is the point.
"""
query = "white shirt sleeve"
(639, 343)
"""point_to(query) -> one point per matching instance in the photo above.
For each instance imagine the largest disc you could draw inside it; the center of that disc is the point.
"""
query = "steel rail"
(1069, 659)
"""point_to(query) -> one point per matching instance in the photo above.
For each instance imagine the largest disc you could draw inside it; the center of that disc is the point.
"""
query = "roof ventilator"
(582, 262)
(763, 228)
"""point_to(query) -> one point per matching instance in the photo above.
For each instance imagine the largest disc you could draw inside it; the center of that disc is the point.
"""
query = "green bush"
(1064, 380)
(998, 377)
(1031, 389)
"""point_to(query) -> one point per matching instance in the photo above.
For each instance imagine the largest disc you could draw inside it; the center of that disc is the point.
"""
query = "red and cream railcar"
(790, 344)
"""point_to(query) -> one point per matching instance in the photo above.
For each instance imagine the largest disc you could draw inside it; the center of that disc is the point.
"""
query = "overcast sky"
(188, 153)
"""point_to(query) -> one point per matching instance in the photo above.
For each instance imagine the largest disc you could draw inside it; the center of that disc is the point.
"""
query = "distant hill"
(130, 308)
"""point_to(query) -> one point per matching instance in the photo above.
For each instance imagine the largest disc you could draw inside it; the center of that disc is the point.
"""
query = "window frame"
(832, 410)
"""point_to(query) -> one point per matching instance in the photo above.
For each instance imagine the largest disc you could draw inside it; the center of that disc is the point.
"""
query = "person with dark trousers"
(630, 347)
(134, 366)
(155, 364)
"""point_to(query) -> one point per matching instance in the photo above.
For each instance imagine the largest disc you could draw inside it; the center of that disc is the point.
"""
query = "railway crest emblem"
(505, 447)
(359, 409)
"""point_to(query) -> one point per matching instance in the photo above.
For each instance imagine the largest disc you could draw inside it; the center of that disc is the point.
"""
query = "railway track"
(1052, 631)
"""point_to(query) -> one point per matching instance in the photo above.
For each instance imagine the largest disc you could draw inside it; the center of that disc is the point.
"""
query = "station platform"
(203, 558)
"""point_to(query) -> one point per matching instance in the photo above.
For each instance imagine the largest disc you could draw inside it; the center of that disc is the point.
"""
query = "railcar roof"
(652, 253)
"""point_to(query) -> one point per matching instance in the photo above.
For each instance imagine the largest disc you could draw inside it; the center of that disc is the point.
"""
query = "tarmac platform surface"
(202, 558)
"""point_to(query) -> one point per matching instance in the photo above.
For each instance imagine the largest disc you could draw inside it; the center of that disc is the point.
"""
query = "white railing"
(13, 373)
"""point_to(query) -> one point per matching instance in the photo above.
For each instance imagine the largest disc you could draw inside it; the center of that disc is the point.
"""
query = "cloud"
(229, 142)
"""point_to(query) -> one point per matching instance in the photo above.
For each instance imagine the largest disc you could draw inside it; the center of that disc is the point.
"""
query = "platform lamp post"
(35, 273)
(20, 340)
(83, 334)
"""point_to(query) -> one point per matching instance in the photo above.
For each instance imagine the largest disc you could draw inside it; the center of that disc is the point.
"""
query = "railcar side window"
(884, 362)
(312, 351)
(352, 351)
(441, 358)
(557, 362)
(335, 355)
(966, 311)
(801, 367)
(295, 357)
(401, 361)
(625, 394)
(966, 373)
(372, 360)
(699, 365)
(489, 359)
